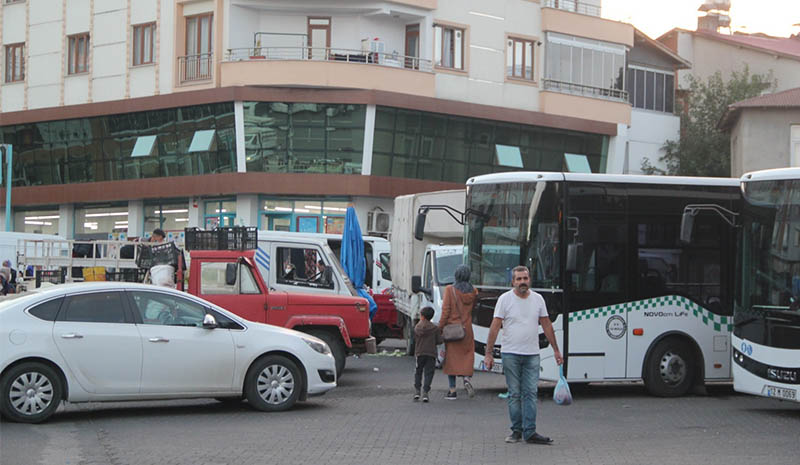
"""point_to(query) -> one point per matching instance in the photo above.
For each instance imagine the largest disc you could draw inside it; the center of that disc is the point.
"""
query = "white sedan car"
(95, 342)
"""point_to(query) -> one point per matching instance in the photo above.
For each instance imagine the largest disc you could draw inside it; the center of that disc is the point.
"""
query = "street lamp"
(7, 157)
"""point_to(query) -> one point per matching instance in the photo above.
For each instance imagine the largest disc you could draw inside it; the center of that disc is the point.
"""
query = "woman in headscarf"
(459, 299)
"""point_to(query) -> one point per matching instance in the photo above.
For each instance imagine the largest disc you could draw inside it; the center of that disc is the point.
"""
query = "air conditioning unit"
(378, 222)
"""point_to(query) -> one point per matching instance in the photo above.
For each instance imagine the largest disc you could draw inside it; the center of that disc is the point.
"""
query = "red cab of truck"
(230, 279)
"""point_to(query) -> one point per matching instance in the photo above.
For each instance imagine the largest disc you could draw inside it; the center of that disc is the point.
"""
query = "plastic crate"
(51, 276)
(159, 254)
(128, 275)
(233, 238)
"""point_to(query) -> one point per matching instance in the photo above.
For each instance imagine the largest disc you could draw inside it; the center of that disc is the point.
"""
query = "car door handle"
(71, 336)
(158, 339)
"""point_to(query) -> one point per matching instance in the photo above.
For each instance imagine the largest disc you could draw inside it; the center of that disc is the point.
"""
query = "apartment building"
(129, 115)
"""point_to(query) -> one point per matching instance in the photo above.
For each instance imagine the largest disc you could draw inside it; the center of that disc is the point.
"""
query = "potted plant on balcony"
(256, 55)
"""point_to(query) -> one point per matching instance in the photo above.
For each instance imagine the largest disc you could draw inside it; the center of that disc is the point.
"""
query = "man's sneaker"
(451, 396)
(416, 396)
(425, 397)
(469, 388)
(515, 436)
(538, 439)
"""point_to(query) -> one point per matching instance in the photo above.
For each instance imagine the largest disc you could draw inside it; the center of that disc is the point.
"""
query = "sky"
(655, 17)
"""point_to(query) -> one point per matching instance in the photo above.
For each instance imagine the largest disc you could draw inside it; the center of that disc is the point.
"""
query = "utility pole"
(6, 151)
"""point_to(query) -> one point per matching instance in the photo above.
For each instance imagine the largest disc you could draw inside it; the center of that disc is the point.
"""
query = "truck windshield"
(446, 263)
(517, 224)
(326, 249)
(767, 309)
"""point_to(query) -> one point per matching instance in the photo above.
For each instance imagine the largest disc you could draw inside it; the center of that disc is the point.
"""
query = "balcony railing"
(589, 91)
(194, 68)
(575, 6)
(329, 54)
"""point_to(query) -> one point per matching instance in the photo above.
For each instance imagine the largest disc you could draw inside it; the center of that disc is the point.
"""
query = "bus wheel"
(670, 368)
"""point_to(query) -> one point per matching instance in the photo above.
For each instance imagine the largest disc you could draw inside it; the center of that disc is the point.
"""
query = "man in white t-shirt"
(519, 312)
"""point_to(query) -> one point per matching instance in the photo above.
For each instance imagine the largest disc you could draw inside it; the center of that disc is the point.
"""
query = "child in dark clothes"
(426, 336)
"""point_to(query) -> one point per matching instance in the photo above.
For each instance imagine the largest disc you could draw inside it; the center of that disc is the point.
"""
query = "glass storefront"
(173, 142)
(294, 215)
(172, 216)
(304, 137)
(415, 144)
(101, 222)
(219, 213)
(36, 221)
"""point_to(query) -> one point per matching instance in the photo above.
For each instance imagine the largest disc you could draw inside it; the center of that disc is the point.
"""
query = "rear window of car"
(47, 310)
(97, 307)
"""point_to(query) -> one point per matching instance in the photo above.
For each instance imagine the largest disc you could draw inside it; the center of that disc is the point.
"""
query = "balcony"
(575, 6)
(195, 68)
(328, 67)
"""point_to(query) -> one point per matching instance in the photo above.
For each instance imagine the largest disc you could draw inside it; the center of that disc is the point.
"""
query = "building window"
(303, 215)
(651, 89)
(93, 222)
(582, 66)
(449, 51)
(15, 62)
(519, 58)
(36, 221)
(143, 35)
(172, 217)
(219, 213)
(197, 63)
(795, 145)
(78, 53)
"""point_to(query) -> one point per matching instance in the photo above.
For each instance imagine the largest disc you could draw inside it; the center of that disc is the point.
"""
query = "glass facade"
(575, 64)
(415, 144)
(304, 137)
(101, 222)
(36, 221)
(172, 216)
(101, 148)
(219, 213)
(295, 215)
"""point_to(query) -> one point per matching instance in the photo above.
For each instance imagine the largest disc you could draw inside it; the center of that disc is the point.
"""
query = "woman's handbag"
(454, 331)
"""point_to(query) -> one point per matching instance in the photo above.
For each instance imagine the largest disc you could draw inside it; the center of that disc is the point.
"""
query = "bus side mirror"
(687, 225)
(230, 273)
(419, 226)
(573, 251)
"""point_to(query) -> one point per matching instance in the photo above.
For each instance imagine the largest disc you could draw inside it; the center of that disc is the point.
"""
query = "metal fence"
(581, 89)
(328, 54)
(196, 67)
(575, 6)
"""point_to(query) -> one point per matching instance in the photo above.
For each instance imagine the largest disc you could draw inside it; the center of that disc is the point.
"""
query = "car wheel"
(337, 348)
(670, 369)
(273, 384)
(31, 392)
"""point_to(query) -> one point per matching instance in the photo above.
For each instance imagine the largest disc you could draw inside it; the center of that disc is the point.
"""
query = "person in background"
(6, 287)
(459, 358)
(324, 275)
(158, 235)
(7, 263)
(426, 337)
(519, 312)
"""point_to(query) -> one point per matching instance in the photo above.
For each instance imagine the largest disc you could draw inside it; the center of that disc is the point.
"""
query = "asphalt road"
(370, 419)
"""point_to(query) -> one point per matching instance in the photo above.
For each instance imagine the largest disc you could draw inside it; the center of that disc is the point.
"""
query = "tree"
(703, 149)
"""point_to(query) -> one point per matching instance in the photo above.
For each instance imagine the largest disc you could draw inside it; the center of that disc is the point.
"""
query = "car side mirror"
(230, 273)
(687, 225)
(209, 322)
(573, 251)
(419, 225)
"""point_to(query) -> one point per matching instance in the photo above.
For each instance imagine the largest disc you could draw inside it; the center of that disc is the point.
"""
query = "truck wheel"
(337, 348)
(670, 368)
(31, 392)
(273, 384)
(408, 333)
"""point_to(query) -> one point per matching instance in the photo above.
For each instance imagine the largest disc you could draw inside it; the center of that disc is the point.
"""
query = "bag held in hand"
(453, 332)
(561, 393)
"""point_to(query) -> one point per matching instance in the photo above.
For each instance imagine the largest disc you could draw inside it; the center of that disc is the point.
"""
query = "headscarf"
(462, 283)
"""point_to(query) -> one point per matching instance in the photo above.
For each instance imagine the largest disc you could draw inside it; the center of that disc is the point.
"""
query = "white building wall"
(44, 72)
(166, 49)
(77, 16)
(109, 44)
(13, 23)
(13, 96)
(143, 11)
(648, 132)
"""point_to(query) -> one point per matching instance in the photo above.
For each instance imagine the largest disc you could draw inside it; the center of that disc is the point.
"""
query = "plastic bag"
(561, 394)
(440, 355)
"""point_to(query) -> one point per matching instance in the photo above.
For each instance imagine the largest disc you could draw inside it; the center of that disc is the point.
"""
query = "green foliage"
(703, 149)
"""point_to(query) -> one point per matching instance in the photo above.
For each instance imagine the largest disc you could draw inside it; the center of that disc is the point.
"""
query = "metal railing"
(576, 6)
(393, 60)
(581, 89)
(196, 67)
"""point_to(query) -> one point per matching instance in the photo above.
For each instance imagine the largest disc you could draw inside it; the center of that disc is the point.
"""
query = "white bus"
(766, 335)
(628, 300)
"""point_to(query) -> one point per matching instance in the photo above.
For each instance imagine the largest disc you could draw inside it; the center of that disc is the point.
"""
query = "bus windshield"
(768, 304)
(515, 224)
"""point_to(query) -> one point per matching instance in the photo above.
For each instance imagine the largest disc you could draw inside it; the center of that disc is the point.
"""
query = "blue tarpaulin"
(352, 257)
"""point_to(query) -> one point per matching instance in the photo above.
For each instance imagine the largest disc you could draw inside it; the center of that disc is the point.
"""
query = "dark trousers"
(425, 364)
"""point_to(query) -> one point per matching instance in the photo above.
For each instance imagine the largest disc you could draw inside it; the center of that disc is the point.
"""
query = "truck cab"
(233, 280)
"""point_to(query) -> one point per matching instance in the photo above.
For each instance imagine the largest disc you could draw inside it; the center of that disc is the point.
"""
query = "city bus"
(628, 299)
(766, 334)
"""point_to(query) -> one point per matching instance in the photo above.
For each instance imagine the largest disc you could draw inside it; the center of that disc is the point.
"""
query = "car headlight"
(318, 346)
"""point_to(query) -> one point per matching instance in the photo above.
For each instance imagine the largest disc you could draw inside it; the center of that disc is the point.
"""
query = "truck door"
(232, 286)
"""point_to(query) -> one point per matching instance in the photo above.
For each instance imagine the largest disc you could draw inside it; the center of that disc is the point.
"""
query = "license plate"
(779, 392)
(497, 367)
